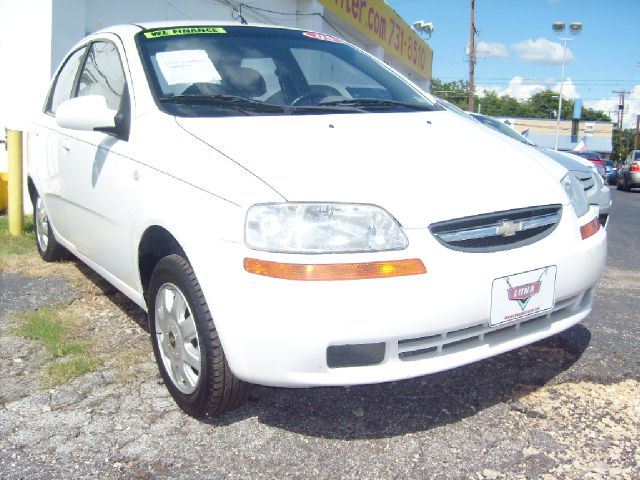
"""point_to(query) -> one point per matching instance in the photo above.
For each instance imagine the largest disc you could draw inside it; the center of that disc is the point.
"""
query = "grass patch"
(17, 245)
(68, 368)
(53, 328)
(47, 327)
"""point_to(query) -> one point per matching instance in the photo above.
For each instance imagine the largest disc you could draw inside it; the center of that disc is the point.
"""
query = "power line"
(259, 11)
(534, 81)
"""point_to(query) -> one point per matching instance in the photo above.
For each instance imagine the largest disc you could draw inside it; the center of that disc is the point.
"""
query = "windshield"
(243, 70)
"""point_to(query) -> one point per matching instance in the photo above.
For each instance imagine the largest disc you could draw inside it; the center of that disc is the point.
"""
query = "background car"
(592, 156)
(629, 173)
(611, 172)
(589, 174)
(634, 155)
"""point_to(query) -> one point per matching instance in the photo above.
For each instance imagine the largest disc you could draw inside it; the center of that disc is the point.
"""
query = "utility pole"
(472, 57)
(621, 93)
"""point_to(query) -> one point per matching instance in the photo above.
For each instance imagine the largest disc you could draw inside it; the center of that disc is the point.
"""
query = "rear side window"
(636, 155)
(63, 87)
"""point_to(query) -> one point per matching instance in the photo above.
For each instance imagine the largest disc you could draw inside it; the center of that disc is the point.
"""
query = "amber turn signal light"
(590, 228)
(335, 271)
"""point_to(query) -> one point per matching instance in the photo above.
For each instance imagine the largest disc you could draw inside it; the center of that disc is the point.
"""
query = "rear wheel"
(48, 247)
(186, 343)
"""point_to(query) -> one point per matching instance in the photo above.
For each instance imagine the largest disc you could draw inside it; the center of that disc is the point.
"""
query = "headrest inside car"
(244, 82)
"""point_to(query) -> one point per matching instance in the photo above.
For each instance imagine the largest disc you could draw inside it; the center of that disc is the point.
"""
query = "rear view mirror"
(90, 113)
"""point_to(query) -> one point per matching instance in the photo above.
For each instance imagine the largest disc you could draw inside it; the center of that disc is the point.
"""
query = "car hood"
(421, 167)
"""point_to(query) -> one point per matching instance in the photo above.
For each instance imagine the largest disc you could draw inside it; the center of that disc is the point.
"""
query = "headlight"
(322, 228)
(576, 195)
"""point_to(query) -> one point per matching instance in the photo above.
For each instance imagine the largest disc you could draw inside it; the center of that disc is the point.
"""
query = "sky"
(519, 55)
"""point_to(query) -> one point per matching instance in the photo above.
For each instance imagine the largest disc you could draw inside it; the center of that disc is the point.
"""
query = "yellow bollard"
(15, 210)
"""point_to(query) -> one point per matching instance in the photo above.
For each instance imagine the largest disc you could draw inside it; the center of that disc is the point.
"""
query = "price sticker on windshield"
(187, 66)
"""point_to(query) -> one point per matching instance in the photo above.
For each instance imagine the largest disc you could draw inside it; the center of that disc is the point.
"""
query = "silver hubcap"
(177, 338)
(42, 225)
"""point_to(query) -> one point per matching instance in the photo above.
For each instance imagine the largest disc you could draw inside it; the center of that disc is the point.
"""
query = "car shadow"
(424, 403)
(396, 408)
(119, 299)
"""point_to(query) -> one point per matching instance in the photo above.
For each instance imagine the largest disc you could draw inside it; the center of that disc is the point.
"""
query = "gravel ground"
(564, 408)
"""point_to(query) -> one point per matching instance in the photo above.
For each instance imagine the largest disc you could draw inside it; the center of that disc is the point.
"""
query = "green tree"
(456, 92)
(493, 104)
(543, 104)
(623, 143)
(595, 115)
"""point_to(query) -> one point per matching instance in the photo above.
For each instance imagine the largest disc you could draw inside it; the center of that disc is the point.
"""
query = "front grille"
(586, 180)
(499, 230)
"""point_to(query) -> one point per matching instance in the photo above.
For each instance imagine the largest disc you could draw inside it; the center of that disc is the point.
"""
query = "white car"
(286, 237)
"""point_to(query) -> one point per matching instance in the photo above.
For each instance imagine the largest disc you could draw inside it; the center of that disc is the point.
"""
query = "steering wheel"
(306, 99)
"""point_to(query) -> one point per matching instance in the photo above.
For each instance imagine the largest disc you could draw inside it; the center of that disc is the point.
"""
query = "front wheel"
(186, 343)
(48, 247)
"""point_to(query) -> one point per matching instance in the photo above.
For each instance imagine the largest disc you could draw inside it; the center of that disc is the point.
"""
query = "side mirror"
(90, 113)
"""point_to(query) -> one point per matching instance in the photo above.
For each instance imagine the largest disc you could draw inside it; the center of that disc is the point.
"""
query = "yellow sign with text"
(381, 24)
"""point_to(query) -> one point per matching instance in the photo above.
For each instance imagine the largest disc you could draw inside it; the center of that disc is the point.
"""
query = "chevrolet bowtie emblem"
(507, 228)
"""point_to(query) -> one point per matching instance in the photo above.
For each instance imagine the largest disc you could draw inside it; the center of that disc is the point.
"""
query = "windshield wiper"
(242, 103)
(231, 101)
(322, 107)
(376, 103)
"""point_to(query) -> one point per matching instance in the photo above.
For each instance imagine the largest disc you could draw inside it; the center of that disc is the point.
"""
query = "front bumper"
(281, 332)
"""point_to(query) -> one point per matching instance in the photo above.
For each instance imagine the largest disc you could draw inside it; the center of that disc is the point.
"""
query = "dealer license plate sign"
(522, 295)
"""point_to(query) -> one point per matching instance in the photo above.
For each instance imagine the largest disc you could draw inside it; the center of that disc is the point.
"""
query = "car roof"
(186, 23)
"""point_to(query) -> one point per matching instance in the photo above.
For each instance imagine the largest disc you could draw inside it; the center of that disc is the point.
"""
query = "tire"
(48, 247)
(186, 343)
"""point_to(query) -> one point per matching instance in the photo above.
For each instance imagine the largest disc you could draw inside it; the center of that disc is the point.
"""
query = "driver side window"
(102, 74)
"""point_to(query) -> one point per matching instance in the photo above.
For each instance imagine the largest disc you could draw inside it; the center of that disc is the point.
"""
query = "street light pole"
(558, 27)
(564, 54)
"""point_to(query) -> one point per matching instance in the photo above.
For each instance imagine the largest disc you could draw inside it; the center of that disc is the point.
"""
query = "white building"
(36, 34)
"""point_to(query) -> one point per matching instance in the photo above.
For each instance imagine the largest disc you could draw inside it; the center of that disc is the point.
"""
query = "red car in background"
(592, 156)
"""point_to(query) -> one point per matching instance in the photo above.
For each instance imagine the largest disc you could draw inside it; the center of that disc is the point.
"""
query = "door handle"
(66, 147)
